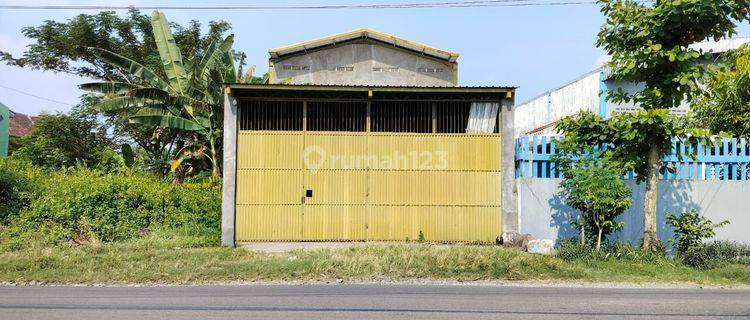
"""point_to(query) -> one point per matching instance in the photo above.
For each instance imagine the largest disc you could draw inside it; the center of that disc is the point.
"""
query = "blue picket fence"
(727, 160)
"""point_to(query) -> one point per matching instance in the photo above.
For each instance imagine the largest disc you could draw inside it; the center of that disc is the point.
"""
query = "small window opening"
(294, 67)
(343, 68)
(430, 70)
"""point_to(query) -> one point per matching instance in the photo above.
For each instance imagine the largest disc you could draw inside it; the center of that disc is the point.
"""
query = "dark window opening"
(401, 116)
(270, 115)
(452, 117)
(336, 116)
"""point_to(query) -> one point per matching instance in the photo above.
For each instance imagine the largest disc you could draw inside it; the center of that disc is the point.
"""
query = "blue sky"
(534, 48)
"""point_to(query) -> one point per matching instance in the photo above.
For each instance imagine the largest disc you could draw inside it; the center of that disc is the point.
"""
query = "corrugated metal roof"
(373, 88)
(364, 33)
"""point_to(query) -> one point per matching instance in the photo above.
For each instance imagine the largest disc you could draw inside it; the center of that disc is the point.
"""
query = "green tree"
(63, 46)
(724, 105)
(650, 44)
(627, 142)
(65, 140)
(595, 188)
(187, 98)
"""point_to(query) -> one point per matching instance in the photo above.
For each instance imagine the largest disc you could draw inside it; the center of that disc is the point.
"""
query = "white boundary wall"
(544, 214)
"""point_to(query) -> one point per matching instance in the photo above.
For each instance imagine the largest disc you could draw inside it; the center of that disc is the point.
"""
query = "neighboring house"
(20, 124)
(589, 92)
(363, 57)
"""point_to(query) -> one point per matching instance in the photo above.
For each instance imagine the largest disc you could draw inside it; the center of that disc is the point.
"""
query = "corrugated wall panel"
(438, 151)
(334, 222)
(337, 187)
(268, 222)
(448, 188)
(437, 223)
(279, 186)
(445, 185)
(269, 150)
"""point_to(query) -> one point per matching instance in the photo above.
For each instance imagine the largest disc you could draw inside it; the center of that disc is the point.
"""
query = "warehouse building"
(368, 138)
(355, 163)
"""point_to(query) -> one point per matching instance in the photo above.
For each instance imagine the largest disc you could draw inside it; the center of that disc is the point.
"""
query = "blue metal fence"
(727, 160)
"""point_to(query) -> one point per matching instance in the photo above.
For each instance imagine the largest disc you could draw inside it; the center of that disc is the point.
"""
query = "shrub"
(19, 184)
(86, 205)
(573, 250)
(596, 189)
(728, 251)
(716, 254)
(690, 230)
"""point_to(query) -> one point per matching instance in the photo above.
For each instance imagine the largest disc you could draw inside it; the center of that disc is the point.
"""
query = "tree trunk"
(215, 175)
(582, 223)
(651, 196)
(599, 239)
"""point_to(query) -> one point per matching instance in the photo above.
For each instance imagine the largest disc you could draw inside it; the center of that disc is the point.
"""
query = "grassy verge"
(179, 259)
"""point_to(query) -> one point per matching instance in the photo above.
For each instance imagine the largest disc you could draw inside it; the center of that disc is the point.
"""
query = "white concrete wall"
(363, 57)
(581, 94)
(544, 214)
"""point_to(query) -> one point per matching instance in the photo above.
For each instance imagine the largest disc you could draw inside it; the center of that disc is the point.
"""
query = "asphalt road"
(369, 302)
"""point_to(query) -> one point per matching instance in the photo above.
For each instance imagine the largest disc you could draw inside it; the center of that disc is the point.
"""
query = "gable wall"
(400, 67)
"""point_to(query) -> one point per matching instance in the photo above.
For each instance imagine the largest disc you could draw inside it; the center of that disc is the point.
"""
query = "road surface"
(369, 302)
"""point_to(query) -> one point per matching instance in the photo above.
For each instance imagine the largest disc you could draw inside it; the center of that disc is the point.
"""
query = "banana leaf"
(131, 68)
(108, 87)
(115, 104)
(213, 55)
(165, 119)
(169, 52)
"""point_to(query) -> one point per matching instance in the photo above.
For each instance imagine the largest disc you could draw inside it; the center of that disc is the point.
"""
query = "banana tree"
(185, 95)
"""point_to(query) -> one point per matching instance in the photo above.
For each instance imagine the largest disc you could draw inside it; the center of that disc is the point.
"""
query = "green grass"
(182, 259)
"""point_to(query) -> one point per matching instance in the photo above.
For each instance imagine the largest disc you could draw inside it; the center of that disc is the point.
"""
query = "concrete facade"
(545, 215)
(363, 62)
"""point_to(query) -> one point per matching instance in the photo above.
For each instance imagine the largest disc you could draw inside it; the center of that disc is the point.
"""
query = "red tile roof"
(20, 124)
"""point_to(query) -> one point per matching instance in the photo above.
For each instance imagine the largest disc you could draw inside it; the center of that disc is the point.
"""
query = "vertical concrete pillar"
(510, 216)
(228, 190)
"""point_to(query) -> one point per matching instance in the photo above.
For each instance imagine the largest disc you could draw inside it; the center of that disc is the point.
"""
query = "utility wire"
(418, 5)
(35, 96)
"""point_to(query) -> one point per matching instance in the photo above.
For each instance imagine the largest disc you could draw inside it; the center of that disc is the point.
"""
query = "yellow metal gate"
(296, 185)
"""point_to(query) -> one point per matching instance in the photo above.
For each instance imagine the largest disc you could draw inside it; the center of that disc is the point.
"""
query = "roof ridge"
(367, 33)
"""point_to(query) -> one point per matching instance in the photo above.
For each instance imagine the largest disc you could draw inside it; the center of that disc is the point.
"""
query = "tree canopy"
(650, 44)
(63, 46)
(724, 105)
